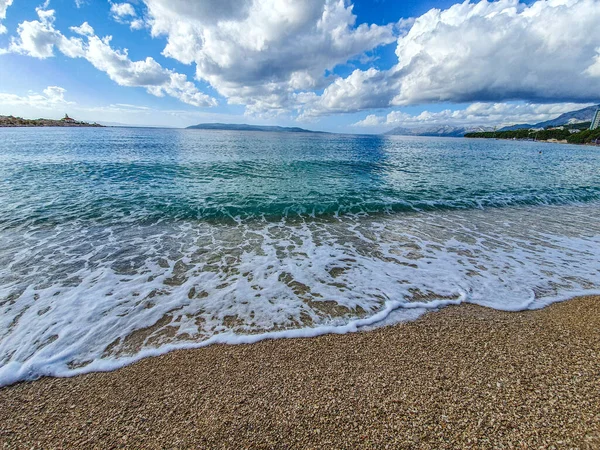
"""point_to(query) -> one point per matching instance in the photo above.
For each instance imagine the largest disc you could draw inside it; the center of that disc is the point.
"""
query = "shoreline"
(462, 376)
(67, 122)
(78, 125)
(563, 142)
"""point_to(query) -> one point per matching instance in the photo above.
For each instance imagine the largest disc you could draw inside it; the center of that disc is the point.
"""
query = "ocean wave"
(143, 210)
(76, 299)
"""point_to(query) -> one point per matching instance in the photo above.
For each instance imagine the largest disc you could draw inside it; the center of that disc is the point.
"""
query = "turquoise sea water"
(121, 243)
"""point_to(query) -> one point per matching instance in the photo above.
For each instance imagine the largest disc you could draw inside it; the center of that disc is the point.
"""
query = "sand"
(463, 377)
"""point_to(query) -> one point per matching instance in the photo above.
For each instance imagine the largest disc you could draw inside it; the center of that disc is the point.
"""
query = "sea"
(122, 243)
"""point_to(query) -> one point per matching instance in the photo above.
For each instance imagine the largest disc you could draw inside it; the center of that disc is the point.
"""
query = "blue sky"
(361, 66)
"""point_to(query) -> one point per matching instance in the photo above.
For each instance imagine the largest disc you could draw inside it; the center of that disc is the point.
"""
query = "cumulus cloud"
(122, 10)
(137, 24)
(125, 13)
(260, 53)
(362, 89)
(51, 103)
(594, 69)
(39, 38)
(486, 51)
(501, 50)
(476, 114)
(52, 97)
(4, 4)
(55, 94)
(277, 56)
(85, 29)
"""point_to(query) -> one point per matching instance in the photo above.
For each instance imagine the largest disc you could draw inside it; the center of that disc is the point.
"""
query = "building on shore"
(67, 119)
(596, 120)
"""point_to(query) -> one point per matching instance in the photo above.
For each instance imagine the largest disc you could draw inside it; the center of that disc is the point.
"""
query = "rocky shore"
(11, 121)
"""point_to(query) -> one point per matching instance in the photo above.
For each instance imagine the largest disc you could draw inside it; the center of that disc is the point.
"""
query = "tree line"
(582, 137)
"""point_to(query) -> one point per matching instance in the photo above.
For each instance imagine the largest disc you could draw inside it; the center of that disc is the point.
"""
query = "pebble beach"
(462, 377)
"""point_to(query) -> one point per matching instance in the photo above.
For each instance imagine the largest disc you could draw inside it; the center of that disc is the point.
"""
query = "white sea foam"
(76, 298)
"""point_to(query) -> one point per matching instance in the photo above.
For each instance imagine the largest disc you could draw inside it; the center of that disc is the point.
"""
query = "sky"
(362, 66)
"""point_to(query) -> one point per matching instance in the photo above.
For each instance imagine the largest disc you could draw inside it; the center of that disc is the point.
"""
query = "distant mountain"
(579, 116)
(246, 127)
(129, 125)
(440, 130)
(519, 126)
(573, 117)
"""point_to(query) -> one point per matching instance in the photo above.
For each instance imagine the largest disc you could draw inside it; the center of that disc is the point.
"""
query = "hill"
(581, 115)
(439, 130)
(246, 127)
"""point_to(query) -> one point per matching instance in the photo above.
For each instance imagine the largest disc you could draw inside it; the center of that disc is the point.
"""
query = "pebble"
(463, 377)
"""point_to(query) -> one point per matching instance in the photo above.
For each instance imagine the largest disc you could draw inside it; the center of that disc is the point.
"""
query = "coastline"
(539, 141)
(19, 122)
(464, 376)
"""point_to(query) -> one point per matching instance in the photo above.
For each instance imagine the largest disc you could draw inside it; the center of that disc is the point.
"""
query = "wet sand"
(463, 377)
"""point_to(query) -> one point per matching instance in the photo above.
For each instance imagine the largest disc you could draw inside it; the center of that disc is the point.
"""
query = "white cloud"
(137, 24)
(52, 97)
(276, 56)
(259, 53)
(476, 114)
(125, 13)
(55, 94)
(370, 121)
(84, 29)
(486, 51)
(594, 69)
(38, 39)
(500, 50)
(52, 104)
(122, 10)
(360, 90)
(4, 4)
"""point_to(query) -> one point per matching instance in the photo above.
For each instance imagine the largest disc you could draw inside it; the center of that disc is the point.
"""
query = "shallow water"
(122, 243)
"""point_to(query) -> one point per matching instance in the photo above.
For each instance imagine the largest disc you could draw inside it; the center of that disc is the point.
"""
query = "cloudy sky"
(359, 66)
